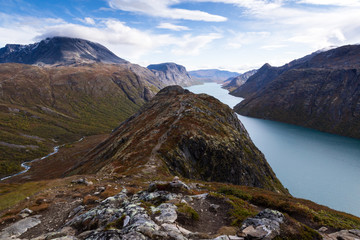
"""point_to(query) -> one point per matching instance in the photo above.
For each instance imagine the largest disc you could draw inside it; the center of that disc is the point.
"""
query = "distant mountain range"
(321, 91)
(212, 75)
(58, 51)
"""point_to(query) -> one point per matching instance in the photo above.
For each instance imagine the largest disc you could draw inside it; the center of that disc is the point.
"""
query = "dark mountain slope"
(59, 51)
(181, 133)
(43, 107)
(172, 74)
(320, 91)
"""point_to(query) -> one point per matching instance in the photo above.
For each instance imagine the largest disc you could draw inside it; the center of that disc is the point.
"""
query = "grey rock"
(214, 208)
(167, 213)
(26, 210)
(76, 210)
(105, 235)
(20, 227)
(265, 225)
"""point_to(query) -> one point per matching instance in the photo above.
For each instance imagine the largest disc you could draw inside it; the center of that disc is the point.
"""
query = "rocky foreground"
(165, 210)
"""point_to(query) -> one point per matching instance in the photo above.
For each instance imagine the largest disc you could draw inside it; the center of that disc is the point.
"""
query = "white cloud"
(162, 8)
(239, 39)
(87, 20)
(192, 45)
(173, 27)
(349, 3)
(126, 42)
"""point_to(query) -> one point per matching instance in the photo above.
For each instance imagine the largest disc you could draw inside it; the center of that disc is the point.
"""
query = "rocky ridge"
(171, 74)
(185, 134)
(58, 51)
(320, 91)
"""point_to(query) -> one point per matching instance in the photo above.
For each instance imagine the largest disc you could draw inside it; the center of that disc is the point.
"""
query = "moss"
(187, 212)
(241, 210)
(227, 190)
(117, 224)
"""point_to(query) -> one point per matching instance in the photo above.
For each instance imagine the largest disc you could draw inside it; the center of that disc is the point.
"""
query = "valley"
(136, 156)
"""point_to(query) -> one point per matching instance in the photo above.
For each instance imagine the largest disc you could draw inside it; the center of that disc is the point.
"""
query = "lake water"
(321, 167)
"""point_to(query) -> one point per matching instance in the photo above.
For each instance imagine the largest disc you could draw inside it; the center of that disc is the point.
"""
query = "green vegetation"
(45, 107)
(300, 210)
(11, 194)
(187, 212)
(117, 224)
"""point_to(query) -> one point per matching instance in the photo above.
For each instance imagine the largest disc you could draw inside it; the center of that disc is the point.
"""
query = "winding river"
(26, 165)
(321, 167)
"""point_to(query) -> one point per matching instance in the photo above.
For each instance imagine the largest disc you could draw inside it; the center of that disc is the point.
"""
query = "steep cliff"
(181, 133)
(172, 74)
(320, 91)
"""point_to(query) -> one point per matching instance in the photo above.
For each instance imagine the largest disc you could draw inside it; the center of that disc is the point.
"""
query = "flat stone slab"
(20, 227)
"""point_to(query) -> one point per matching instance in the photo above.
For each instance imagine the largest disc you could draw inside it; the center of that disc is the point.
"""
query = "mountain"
(235, 82)
(212, 75)
(41, 107)
(320, 91)
(184, 134)
(58, 51)
(172, 74)
(127, 188)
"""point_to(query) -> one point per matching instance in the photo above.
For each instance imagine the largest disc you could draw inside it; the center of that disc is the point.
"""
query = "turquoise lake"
(321, 167)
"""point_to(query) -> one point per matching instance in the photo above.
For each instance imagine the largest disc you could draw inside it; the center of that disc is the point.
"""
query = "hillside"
(235, 82)
(320, 91)
(43, 107)
(58, 51)
(212, 75)
(172, 74)
(127, 189)
(181, 133)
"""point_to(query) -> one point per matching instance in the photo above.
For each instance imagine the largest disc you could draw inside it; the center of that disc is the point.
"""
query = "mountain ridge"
(58, 51)
(319, 91)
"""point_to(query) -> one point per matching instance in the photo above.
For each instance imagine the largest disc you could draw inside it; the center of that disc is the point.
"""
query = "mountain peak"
(58, 51)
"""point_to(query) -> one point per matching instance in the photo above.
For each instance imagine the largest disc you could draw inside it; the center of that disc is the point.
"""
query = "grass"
(301, 210)
(12, 194)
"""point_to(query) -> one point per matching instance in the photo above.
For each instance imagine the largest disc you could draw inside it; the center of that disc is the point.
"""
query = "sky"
(235, 35)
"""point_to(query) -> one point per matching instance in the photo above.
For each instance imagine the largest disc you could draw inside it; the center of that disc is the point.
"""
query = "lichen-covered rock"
(265, 225)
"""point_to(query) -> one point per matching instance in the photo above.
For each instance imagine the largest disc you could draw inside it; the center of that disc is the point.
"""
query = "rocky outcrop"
(172, 74)
(58, 51)
(320, 91)
(235, 82)
(212, 75)
(181, 133)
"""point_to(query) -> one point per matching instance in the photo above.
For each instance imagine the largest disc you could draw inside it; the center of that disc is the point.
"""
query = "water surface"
(321, 167)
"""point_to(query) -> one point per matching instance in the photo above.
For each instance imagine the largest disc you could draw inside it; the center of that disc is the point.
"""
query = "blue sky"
(236, 35)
